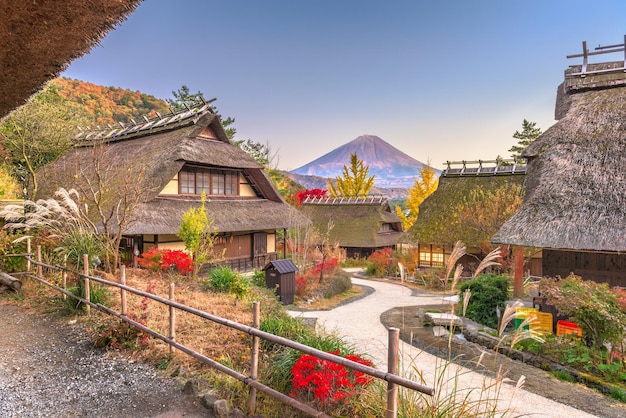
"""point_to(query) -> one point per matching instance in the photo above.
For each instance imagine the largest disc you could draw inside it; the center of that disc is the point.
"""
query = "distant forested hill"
(110, 104)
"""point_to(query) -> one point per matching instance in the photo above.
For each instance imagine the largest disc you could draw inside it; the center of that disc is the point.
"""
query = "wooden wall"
(601, 267)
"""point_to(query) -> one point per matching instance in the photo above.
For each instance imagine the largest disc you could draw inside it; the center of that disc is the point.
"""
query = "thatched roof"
(355, 223)
(163, 216)
(39, 39)
(576, 187)
(438, 221)
(152, 157)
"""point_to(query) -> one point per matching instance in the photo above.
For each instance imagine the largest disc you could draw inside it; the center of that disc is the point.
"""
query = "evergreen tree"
(354, 180)
(421, 189)
(183, 99)
(529, 133)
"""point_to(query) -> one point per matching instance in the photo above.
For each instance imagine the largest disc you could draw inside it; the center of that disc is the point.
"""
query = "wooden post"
(64, 276)
(392, 367)
(172, 318)
(518, 271)
(28, 252)
(39, 268)
(254, 359)
(123, 291)
(86, 272)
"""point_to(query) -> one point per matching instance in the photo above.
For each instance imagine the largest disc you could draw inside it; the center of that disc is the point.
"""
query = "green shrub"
(221, 278)
(239, 286)
(488, 292)
(76, 243)
(224, 279)
(258, 278)
(97, 295)
(591, 304)
(8, 246)
(339, 284)
(354, 262)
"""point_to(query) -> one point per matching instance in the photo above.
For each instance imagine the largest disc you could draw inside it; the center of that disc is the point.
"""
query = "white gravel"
(51, 369)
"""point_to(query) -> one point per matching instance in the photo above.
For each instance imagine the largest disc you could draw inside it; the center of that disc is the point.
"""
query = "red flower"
(326, 382)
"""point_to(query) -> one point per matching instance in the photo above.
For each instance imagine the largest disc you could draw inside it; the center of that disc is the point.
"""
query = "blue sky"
(439, 80)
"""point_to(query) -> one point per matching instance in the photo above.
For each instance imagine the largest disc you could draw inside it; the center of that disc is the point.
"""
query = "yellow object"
(542, 322)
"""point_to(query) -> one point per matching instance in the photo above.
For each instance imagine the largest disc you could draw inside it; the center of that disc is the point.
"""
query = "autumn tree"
(38, 132)
(198, 232)
(423, 187)
(354, 180)
(184, 99)
(111, 198)
(529, 133)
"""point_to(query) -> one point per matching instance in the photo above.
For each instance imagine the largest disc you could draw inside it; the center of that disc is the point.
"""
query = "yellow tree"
(354, 180)
(424, 186)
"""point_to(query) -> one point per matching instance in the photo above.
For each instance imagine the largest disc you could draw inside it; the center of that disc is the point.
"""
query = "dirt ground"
(412, 331)
(50, 368)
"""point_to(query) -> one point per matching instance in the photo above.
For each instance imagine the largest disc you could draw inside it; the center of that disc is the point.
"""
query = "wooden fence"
(390, 376)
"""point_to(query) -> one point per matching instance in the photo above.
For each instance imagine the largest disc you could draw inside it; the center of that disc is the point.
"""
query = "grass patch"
(563, 375)
(618, 395)
(324, 304)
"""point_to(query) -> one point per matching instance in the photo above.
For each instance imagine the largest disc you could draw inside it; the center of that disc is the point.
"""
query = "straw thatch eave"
(355, 225)
(154, 159)
(576, 188)
(39, 39)
(163, 216)
(437, 220)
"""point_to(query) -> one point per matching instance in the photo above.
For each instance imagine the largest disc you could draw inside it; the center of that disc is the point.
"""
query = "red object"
(564, 327)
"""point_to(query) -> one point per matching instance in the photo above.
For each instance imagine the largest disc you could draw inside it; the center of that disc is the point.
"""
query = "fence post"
(39, 268)
(172, 318)
(64, 276)
(254, 358)
(28, 252)
(86, 272)
(123, 291)
(392, 367)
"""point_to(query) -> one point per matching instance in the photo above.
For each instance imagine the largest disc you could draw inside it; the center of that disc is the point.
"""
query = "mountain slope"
(110, 104)
(392, 167)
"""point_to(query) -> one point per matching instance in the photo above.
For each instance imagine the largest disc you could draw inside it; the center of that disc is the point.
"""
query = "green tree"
(198, 233)
(529, 133)
(183, 99)
(354, 180)
(423, 187)
(262, 153)
(40, 131)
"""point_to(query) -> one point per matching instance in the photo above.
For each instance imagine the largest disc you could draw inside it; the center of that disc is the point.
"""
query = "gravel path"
(359, 323)
(51, 369)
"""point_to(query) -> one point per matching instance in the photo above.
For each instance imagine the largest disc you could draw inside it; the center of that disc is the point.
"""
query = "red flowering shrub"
(301, 283)
(300, 195)
(327, 383)
(178, 258)
(379, 261)
(151, 259)
(156, 259)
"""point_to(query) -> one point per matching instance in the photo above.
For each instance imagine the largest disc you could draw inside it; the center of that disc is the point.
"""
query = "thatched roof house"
(40, 38)
(440, 223)
(575, 204)
(167, 162)
(360, 225)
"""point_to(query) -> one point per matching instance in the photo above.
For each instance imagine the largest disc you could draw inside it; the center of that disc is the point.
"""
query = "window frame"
(210, 180)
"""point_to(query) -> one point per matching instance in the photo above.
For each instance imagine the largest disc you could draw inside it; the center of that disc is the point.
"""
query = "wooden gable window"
(195, 180)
